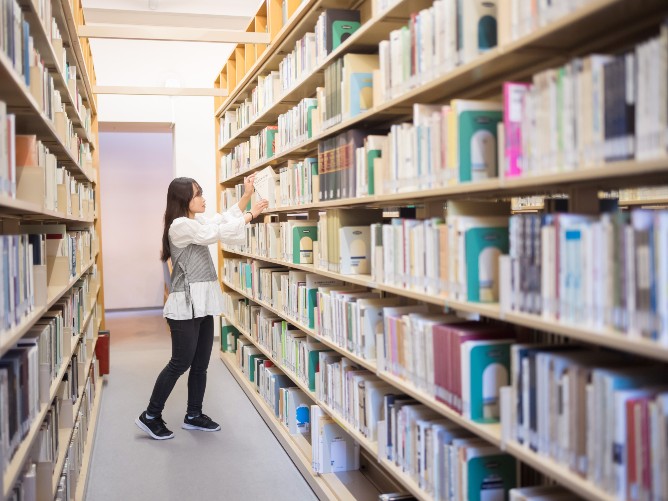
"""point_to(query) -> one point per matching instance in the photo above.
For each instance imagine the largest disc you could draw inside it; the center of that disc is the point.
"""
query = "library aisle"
(243, 461)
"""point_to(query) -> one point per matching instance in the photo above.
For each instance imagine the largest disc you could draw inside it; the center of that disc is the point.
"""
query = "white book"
(355, 250)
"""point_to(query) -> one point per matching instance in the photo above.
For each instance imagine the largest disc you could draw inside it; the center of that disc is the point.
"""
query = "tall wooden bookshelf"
(15, 212)
(597, 25)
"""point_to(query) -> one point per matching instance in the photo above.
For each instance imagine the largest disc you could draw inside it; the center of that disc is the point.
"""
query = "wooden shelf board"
(30, 119)
(82, 482)
(490, 432)
(33, 211)
(645, 202)
(278, 44)
(408, 482)
(558, 472)
(330, 486)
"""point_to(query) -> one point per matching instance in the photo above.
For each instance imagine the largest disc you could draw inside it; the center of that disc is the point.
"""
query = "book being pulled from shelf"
(605, 271)
(601, 414)
(292, 185)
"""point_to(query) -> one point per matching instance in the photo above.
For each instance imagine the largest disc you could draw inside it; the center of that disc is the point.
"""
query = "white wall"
(136, 169)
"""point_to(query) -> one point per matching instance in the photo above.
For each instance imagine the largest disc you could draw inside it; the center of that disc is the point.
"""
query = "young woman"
(194, 296)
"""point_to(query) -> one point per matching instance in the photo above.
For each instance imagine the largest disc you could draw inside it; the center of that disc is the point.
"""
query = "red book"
(447, 356)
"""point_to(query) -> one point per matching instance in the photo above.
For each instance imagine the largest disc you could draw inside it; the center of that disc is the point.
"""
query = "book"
(265, 185)
(355, 250)
(476, 138)
(339, 25)
(513, 93)
(357, 83)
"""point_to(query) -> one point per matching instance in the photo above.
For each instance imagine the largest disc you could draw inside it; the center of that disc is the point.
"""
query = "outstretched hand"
(259, 207)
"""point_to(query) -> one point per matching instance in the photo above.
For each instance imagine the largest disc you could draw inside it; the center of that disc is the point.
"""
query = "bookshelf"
(69, 136)
(595, 26)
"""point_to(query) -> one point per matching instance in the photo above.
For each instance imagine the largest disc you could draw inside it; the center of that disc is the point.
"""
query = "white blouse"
(207, 298)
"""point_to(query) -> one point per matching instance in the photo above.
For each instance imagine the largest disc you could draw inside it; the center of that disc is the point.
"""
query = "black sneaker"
(201, 422)
(154, 427)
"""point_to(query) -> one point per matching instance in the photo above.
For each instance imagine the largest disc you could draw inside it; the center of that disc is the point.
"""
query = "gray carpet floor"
(243, 461)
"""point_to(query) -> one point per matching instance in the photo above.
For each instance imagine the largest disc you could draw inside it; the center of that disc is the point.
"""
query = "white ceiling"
(155, 63)
(215, 7)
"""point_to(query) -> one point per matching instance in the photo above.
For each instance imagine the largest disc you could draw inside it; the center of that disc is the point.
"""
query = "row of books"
(40, 84)
(432, 451)
(476, 140)
(292, 185)
(605, 271)
(298, 63)
(29, 259)
(37, 479)
(333, 27)
(601, 414)
(73, 464)
(444, 145)
(593, 110)
(406, 341)
(361, 398)
(333, 450)
(457, 258)
(527, 16)
(483, 360)
(435, 41)
(29, 171)
(549, 262)
(297, 125)
(264, 95)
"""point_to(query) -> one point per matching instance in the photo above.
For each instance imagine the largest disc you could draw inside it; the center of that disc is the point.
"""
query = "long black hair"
(179, 194)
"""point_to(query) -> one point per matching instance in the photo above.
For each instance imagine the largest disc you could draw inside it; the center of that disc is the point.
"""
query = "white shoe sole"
(145, 428)
(187, 426)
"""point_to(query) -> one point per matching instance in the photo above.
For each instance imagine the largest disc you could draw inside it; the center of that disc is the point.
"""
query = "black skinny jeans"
(192, 341)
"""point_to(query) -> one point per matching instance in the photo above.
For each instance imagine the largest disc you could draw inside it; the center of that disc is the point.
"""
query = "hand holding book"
(249, 185)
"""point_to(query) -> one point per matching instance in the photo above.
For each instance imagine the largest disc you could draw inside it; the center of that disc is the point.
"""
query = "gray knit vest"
(190, 264)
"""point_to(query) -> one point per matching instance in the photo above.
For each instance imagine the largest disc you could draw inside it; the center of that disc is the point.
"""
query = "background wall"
(138, 167)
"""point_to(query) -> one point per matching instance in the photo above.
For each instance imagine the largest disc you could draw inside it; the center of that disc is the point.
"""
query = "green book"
(477, 137)
(302, 244)
(483, 246)
(228, 336)
(313, 359)
(311, 106)
(252, 365)
(490, 477)
(485, 370)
